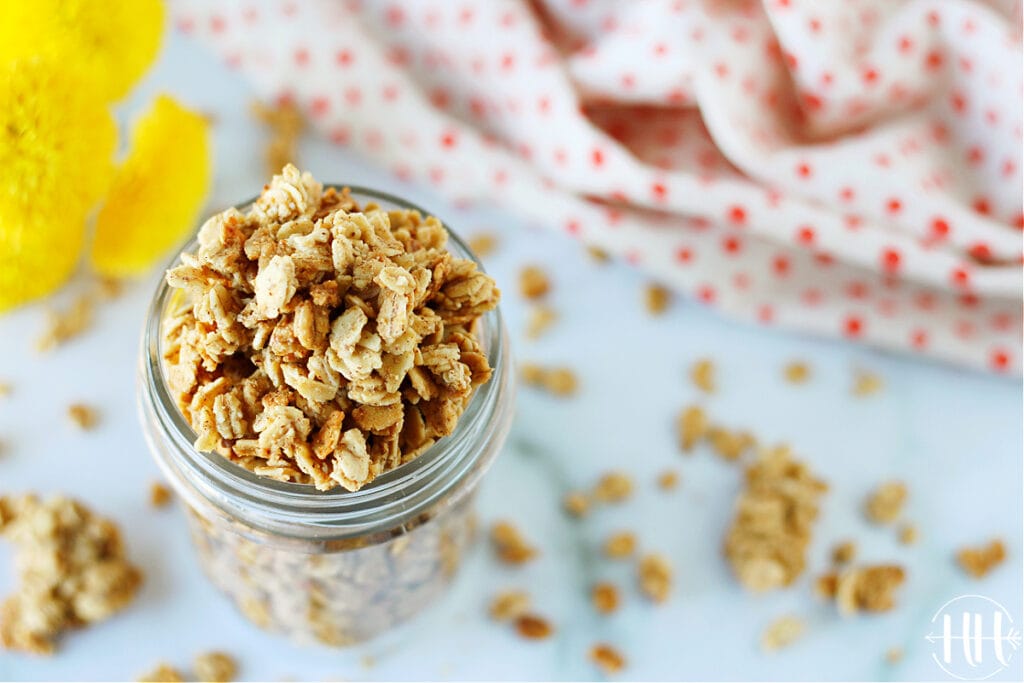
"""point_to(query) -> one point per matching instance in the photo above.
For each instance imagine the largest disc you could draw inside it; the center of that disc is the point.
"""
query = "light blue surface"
(953, 436)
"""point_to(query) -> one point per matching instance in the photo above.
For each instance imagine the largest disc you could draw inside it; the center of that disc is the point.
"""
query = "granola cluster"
(324, 343)
(767, 543)
(72, 571)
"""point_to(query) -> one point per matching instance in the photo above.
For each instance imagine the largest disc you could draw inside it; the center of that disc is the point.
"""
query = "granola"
(533, 627)
(541, 318)
(691, 427)
(83, 416)
(654, 574)
(863, 589)
(559, 381)
(702, 374)
(797, 372)
(159, 495)
(576, 503)
(215, 667)
(482, 243)
(162, 673)
(605, 597)
(509, 545)
(72, 571)
(613, 487)
(908, 534)
(979, 561)
(607, 658)
(533, 282)
(324, 343)
(5, 389)
(656, 299)
(782, 633)
(620, 544)
(509, 605)
(844, 553)
(62, 326)
(668, 480)
(866, 383)
(767, 543)
(885, 503)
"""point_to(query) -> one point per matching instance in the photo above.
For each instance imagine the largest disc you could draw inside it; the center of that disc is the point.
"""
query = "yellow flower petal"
(57, 142)
(113, 42)
(157, 193)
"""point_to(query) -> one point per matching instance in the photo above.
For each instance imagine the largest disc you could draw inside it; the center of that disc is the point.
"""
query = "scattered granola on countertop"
(656, 299)
(72, 570)
(908, 534)
(866, 383)
(796, 372)
(324, 344)
(541, 318)
(654, 574)
(159, 495)
(62, 326)
(533, 627)
(509, 545)
(605, 597)
(559, 381)
(607, 658)
(482, 243)
(668, 480)
(782, 633)
(691, 427)
(844, 553)
(862, 589)
(83, 416)
(5, 389)
(702, 374)
(509, 605)
(620, 544)
(533, 282)
(767, 543)
(576, 503)
(885, 503)
(215, 667)
(163, 673)
(979, 561)
(613, 487)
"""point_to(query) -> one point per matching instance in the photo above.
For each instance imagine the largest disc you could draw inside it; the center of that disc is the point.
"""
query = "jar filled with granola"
(324, 381)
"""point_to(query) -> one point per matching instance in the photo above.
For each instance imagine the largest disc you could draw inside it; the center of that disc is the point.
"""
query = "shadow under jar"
(334, 567)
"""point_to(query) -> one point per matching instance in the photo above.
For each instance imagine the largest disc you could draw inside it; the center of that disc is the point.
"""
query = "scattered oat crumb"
(691, 427)
(767, 542)
(557, 381)
(62, 326)
(782, 633)
(979, 561)
(533, 282)
(843, 553)
(862, 589)
(657, 299)
(85, 417)
(655, 577)
(797, 372)
(159, 495)
(885, 503)
(607, 658)
(109, 288)
(367, 662)
(908, 534)
(730, 445)
(576, 503)
(894, 655)
(620, 544)
(482, 243)
(163, 673)
(215, 667)
(5, 390)
(702, 374)
(605, 597)
(598, 254)
(509, 545)
(541, 319)
(668, 480)
(286, 125)
(71, 567)
(866, 383)
(509, 605)
(613, 487)
(533, 627)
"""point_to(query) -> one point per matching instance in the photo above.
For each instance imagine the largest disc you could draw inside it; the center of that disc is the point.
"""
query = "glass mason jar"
(334, 567)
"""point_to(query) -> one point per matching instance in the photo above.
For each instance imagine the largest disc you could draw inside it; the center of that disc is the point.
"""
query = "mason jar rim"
(393, 500)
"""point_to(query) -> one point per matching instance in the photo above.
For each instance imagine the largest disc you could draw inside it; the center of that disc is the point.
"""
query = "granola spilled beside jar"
(331, 566)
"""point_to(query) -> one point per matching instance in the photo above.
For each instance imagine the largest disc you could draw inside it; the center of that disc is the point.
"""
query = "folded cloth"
(846, 168)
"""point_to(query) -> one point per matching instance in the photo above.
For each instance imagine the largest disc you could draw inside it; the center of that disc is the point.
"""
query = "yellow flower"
(114, 43)
(157, 193)
(57, 141)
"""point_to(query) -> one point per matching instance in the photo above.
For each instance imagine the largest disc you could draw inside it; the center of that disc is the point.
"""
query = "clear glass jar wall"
(333, 567)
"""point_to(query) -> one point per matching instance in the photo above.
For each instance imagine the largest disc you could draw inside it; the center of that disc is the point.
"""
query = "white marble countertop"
(953, 436)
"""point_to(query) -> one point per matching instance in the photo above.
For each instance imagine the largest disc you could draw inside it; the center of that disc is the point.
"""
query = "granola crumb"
(613, 487)
(286, 125)
(541, 319)
(559, 381)
(533, 282)
(509, 544)
(72, 571)
(482, 243)
(702, 374)
(620, 544)
(576, 503)
(62, 326)
(509, 605)
(866, 383)
(767, 542)
(605, 597)
(533, 627)
(654, 574)
(782, 633)
(5, 389)
(844, 553)
(163, 673)
(863, 589)
(367, 662)
(797, 372)
(978, 561)
(885, 504)
(159, 495)
(691, 427)
(598, 254)
(109, 288)
(668, 480)
(657, 299)
(894, 655)
(729, 445)
(215, 667)
(607, 658)
(83, 416)
(908, 534)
